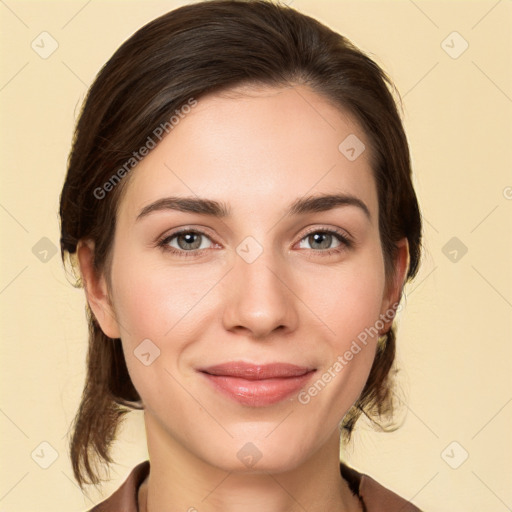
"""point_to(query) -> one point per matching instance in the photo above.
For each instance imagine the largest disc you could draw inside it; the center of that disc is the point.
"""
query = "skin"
(257, 150)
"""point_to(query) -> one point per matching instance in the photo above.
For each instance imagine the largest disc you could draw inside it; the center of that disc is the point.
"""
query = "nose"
(259, 301)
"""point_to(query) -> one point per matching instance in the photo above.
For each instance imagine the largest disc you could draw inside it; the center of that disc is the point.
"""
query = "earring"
(383, 339)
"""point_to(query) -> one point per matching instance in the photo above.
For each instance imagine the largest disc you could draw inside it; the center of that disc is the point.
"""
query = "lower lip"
(258, 393)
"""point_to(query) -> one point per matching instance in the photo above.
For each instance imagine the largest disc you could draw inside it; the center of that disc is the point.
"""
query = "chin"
(260, 454)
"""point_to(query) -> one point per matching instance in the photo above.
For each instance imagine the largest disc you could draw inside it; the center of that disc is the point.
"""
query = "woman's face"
(262, 273)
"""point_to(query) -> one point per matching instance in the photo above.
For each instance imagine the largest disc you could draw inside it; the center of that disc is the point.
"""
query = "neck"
(179, 480)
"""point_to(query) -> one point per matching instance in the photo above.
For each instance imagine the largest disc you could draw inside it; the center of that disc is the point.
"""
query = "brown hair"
(189, 52)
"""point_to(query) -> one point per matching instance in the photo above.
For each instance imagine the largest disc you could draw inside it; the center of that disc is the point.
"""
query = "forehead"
(256, 148)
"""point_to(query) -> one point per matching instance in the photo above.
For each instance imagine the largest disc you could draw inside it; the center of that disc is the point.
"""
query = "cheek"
(153, 300)
(348, 302)
(349, 299)
(166, 306)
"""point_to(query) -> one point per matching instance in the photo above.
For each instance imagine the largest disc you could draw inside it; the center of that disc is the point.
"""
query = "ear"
(393, 289)
(96, 290)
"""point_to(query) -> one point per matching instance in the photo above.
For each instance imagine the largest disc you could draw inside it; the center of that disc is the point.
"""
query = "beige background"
(455, 332)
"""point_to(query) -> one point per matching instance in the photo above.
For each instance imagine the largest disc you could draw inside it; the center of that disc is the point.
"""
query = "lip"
(257, 385)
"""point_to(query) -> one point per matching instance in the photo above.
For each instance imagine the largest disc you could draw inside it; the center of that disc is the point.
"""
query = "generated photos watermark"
(305, 396)
(151, 142)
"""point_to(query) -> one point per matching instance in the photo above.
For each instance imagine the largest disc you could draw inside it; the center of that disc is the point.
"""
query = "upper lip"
(252, 371)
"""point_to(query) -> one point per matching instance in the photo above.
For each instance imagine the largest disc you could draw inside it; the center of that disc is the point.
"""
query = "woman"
(239, 209)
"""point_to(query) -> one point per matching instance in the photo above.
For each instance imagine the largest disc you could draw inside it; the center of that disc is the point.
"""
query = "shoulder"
(125, 498)
(376, 497)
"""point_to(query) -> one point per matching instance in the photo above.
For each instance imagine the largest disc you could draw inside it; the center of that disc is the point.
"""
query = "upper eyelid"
(336, 231)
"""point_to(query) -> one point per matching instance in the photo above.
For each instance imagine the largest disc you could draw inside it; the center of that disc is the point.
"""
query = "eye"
(186, 241)
(190, 242)
(325, 240)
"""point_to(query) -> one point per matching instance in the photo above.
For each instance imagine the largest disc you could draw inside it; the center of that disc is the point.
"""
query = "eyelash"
(345, 243)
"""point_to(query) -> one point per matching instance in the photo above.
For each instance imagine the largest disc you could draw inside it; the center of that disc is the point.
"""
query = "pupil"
(322, 239)
(189, 241)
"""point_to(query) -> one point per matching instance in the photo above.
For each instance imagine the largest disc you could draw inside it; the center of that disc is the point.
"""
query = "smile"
(257, 385)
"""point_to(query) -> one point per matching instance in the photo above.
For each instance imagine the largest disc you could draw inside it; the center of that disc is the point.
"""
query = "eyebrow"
(301, 206)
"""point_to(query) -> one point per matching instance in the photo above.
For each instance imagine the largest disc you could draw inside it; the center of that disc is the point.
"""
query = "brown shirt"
(374, 497)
